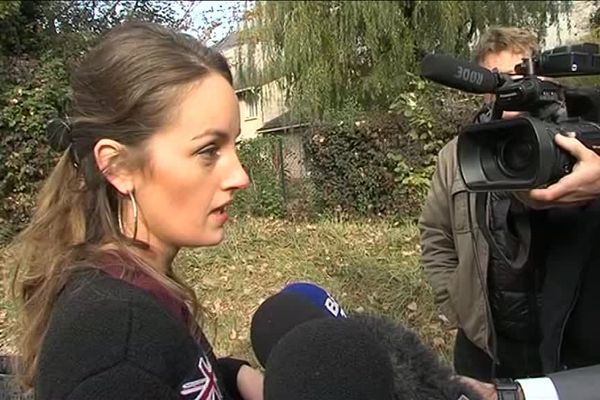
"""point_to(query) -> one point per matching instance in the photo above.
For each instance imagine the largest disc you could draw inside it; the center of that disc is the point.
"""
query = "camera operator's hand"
(579, 187)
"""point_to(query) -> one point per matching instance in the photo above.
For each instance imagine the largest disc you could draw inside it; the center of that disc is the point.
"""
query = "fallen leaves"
(370, 267)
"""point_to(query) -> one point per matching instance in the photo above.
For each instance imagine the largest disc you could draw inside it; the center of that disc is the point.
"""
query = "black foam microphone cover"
(328, 359)
(460, 75)
(419, 372)
(276, 316)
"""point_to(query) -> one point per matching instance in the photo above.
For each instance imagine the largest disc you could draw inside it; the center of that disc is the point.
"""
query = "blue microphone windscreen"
(318, 296)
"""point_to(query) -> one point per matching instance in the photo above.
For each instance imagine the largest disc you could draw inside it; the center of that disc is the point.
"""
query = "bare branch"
(186, 14)
(109, 13)
(134, 9)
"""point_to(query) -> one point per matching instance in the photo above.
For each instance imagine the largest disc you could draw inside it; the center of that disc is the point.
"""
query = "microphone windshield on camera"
(459, 75)
(328, 359)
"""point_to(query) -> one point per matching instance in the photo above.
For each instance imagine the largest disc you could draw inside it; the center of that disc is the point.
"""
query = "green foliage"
(363, 168)
(335, 53)
(595, 19)
(20, 22)
(264, 197)
(26, 159)
(8, 9)
(382, 165)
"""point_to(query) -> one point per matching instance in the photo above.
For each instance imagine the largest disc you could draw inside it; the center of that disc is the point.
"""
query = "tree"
(355, 55)
(595, 19)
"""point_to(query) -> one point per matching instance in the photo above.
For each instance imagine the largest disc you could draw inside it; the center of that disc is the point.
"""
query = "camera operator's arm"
(574, 384)
(580, 186)
(438, 254)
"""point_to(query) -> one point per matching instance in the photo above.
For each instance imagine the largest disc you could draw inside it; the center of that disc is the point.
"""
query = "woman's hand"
(487, 391)
(250, 383)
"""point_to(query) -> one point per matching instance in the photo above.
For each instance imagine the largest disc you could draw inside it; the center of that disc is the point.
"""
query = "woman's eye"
(209, 152)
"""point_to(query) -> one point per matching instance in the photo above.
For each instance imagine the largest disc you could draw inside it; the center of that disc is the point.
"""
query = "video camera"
(520, 153)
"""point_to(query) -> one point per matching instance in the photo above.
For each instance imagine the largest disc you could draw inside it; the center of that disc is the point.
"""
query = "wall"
(569, 29)
(268, 97)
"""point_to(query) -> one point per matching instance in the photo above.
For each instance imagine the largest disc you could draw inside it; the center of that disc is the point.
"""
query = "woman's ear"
(109, 155)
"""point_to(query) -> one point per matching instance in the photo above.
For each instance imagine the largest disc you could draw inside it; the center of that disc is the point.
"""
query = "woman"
(149, 167)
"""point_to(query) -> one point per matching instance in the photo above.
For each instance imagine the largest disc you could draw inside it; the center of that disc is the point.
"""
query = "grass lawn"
(367, 266)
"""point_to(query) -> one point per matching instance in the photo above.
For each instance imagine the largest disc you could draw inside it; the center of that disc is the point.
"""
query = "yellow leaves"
(209, 283)
(412, 306)
(438, 342)
(369, 266)
(217, 306)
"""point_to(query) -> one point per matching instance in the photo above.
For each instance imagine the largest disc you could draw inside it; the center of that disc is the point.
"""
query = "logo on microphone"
(334, 307)
(468, 75)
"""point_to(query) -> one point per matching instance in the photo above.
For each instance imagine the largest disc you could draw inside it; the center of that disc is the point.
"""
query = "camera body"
(520, 153)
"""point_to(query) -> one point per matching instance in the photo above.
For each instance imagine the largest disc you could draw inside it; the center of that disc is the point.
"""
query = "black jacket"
(112, 339)
(571, 294)
(563, 294)
(515, 286)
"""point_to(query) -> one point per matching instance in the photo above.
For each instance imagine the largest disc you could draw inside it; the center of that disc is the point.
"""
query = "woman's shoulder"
(99, 322)
(100, 316)
(94, 295)
(91, 287)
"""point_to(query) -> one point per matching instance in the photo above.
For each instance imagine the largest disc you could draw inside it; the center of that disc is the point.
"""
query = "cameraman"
(520, 305)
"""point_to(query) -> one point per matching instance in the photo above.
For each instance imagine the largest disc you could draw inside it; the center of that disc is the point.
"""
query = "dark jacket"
(113, 339)
(571, 293)
(516, 266)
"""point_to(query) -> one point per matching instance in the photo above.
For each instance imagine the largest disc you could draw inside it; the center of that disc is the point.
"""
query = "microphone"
(278, 315)
(328, 359)
(318, 296)
(418, 373)
(460, 75)
(296, 303)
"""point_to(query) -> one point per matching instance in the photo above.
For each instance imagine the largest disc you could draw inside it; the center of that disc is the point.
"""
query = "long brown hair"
(124, 89)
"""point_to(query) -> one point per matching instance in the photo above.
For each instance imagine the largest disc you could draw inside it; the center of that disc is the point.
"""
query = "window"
(251, 107)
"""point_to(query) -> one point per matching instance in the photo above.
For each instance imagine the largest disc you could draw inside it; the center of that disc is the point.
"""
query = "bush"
(264, 197)
(360, 168)
(382, 165)
(33, 98)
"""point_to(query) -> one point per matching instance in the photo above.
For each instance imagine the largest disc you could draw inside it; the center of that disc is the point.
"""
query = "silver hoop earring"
(135, 215)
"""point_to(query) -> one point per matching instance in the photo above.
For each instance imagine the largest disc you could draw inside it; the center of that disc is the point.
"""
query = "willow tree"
(336, 55)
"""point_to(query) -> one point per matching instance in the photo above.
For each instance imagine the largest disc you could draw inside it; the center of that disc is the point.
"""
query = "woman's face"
(193, 170)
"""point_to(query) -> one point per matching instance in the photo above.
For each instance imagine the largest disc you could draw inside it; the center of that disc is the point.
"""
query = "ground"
(366, 265)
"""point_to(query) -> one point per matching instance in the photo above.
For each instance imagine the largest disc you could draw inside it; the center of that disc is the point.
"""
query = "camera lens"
(516, 154)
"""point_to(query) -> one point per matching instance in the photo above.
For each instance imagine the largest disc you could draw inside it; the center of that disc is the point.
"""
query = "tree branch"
(109, 13)
(133, 10)
(186, 14)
